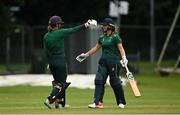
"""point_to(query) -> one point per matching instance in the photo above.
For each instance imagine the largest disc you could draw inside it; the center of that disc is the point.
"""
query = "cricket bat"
(132, 82)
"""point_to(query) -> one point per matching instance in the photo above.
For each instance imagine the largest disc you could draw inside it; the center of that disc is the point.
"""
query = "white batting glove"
(90, 22)
(81, 57)
(124, 61)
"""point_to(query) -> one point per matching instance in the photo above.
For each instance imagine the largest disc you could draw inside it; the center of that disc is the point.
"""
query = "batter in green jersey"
(110, 51)
(109, 64)
(53, 42)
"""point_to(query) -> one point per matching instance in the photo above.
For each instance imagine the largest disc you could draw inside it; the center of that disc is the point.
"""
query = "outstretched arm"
(92, 51)
(90, 22)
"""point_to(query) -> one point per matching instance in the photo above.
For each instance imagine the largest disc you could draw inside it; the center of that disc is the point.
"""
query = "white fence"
(77, 80)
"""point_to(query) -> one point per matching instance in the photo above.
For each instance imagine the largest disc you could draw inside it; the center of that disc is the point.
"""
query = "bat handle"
(127, 69)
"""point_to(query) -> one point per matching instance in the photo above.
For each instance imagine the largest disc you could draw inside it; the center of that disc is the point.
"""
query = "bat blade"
(133, 84)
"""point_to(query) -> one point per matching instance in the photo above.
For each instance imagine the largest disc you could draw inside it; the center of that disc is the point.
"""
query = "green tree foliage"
(139, 12)
(165, 11)
(4, 17)
(34, 12)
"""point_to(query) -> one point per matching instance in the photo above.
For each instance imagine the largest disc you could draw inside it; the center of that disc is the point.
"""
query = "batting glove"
(91, 22)
(124, 61)
(81, 57)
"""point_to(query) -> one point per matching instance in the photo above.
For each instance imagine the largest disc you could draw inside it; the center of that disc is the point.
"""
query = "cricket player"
(109, 64)
(53, 42)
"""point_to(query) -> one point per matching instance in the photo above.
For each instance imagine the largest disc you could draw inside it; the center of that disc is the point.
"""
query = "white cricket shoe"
(121, 106)
(47, 103)
(100, 105)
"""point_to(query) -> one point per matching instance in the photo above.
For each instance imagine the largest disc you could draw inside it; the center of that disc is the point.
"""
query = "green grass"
(149, 68)
(145, 67)
(160, 95)
(17, 68)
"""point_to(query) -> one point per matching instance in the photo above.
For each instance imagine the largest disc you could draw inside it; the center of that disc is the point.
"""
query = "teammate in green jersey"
(53, 42)
(109, 64)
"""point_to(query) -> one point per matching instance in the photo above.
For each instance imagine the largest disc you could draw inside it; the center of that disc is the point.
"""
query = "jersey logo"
(103, 40)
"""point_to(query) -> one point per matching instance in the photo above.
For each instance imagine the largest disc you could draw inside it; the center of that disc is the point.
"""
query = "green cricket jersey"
(110, 50)
(54, 42)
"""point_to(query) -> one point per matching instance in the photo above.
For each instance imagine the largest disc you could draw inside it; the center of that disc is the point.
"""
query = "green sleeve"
(99, 40)
(117, 39)
(72, 30)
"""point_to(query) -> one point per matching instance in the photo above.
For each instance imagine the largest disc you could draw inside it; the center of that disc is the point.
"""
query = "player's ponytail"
(49, 28)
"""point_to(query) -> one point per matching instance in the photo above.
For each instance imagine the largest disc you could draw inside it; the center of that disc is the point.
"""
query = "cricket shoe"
(100, 105)
(47, 103)
(121, 106)
(58, 103)
(59, 106)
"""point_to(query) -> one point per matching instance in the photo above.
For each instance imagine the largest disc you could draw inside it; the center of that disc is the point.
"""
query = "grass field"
(160, 95)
